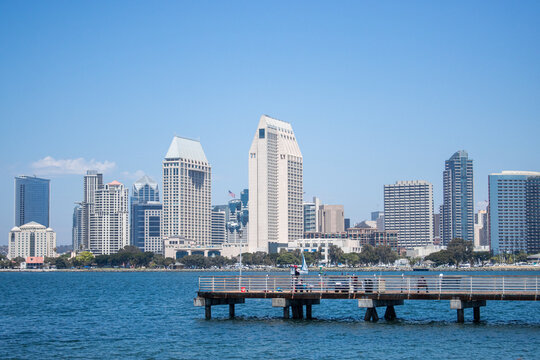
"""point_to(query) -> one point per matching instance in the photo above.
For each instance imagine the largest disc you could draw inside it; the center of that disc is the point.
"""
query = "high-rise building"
(331, 219)
(481, 229)
(436, 228)
(145, 206)
(310, 217)
(347, 223)
(31, 200)
(514, 212)
(109, 229)
(77, 233)
(187, 192)
(458, 199)
(219, 230)
(378, 217)
(275, 185)
(408, 208)
(93, 181)
(31, 239)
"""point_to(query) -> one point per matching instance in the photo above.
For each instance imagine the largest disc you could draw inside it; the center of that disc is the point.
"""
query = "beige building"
(331, 219)
(109, 221)
(31, 239)
(187, 192)
(275, 186)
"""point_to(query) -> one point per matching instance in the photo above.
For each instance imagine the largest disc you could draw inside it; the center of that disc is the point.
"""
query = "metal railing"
(378, 284)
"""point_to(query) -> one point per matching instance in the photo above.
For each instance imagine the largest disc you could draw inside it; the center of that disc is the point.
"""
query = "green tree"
(351, 259)
(482, 257)
(84, 258)
(443, 257)
(335, 254)
(460, 250)
(287, 258)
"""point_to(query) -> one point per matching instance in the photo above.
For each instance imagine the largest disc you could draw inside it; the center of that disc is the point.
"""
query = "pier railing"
(374, 284)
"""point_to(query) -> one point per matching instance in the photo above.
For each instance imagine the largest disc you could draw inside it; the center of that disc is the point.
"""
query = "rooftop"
(186, 149)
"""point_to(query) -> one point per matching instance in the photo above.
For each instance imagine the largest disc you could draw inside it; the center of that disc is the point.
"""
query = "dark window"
(261, 133)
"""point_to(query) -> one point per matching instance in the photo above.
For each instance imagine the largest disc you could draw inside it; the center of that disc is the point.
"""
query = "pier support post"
(209, 302)
(297, 307)
(308, 312)
(461, 305)
(231, 311)
(286, 313)
(371, 306)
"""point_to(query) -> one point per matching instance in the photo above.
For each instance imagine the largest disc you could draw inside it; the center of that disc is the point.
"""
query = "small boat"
(420, 269)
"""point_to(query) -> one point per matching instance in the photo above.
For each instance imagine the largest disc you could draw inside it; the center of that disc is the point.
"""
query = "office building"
(219, 228)
(187, 192)
(331, 219)
(31, 240)
(458, 199)
(31, 200)
(109, 230)
(436, 228)
(347, 223)
(145, 211)
(276, 186)
(481, 229)
(514, 212)
(408, 209)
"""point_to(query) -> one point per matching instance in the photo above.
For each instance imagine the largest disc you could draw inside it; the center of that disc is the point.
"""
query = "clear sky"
(376, 91)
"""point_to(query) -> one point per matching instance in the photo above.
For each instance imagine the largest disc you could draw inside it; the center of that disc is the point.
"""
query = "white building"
(219, 230)
(408, 208)
(187, 192)
(92, 182)
(331, 219)
(152, 230)
(31, 239)
(109, 222)
(312, 245)
(275, 186)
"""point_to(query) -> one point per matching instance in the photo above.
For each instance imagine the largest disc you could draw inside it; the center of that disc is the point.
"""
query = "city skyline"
(370, 104)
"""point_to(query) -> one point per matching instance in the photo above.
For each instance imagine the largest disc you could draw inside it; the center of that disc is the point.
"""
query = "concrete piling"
(371, 306)
(461, 305)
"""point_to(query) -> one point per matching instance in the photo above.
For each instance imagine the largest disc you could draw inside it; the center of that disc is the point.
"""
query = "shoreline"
(313, 270)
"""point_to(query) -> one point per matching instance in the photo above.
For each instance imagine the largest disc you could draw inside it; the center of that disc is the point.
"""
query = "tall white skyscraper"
(92, 182)
(275, 186)
(109, 228)
(408, 208)
(187, 192)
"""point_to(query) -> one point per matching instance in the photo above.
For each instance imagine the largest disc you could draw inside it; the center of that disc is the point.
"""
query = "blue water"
(151, 316)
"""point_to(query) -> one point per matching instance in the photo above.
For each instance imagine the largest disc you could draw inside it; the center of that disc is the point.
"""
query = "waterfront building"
(481, 229)
(77, 227)
(145, 211)
(374, 237)
(177, 247)
(219, 228)
(514, 211)
(347, 223)
(408, 209)
(187, 192)
(378, 217)
(109, 229)
(275, 185)
(93, 181)
(436, 228)
(311, 215)
(31, 200)
(458, 199)
(331, 219)
(31, 239)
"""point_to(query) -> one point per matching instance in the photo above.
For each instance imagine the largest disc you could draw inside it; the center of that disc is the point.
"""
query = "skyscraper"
(514, 211)
(408, 208)
(77, 234)
(187, 192)
(145, 211)
(109, 228)
(275, 186)
(219, 230)
(31, 200)
(93, 181)
(331, 219)
(458, 200)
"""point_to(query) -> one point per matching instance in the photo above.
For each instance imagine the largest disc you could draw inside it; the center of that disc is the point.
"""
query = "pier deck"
(382, 290)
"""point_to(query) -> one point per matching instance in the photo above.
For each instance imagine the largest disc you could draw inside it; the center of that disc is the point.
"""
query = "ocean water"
(108, 315)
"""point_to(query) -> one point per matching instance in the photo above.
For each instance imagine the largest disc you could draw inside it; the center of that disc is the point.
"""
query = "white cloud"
(133, 176)
(51, 166)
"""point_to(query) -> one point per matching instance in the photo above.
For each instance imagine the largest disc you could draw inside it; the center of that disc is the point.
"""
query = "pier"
(294, 293)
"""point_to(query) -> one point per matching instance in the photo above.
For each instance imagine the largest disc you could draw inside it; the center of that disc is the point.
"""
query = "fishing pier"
(294, 293)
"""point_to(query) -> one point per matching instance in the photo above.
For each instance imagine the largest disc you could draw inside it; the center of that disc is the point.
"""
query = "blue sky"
(376, 91)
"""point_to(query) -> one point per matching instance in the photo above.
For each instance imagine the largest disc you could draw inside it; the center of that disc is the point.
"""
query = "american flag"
(231, 194)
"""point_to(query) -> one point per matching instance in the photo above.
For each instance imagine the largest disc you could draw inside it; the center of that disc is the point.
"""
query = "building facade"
(145, 206)
(331, 219)
(32, 200)
(77, 227)
(30, 240)
(481, 229)
(276, 186)
(93, 181)
(219, 226)
(514, 212)
(187, 192)
(109, 222)
(458, 199)
(408, 209)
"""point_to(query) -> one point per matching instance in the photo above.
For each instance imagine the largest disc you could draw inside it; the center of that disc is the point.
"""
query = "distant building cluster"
(271, 214)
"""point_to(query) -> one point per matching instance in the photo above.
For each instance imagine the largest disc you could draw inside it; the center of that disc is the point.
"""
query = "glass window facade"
(31, 200)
